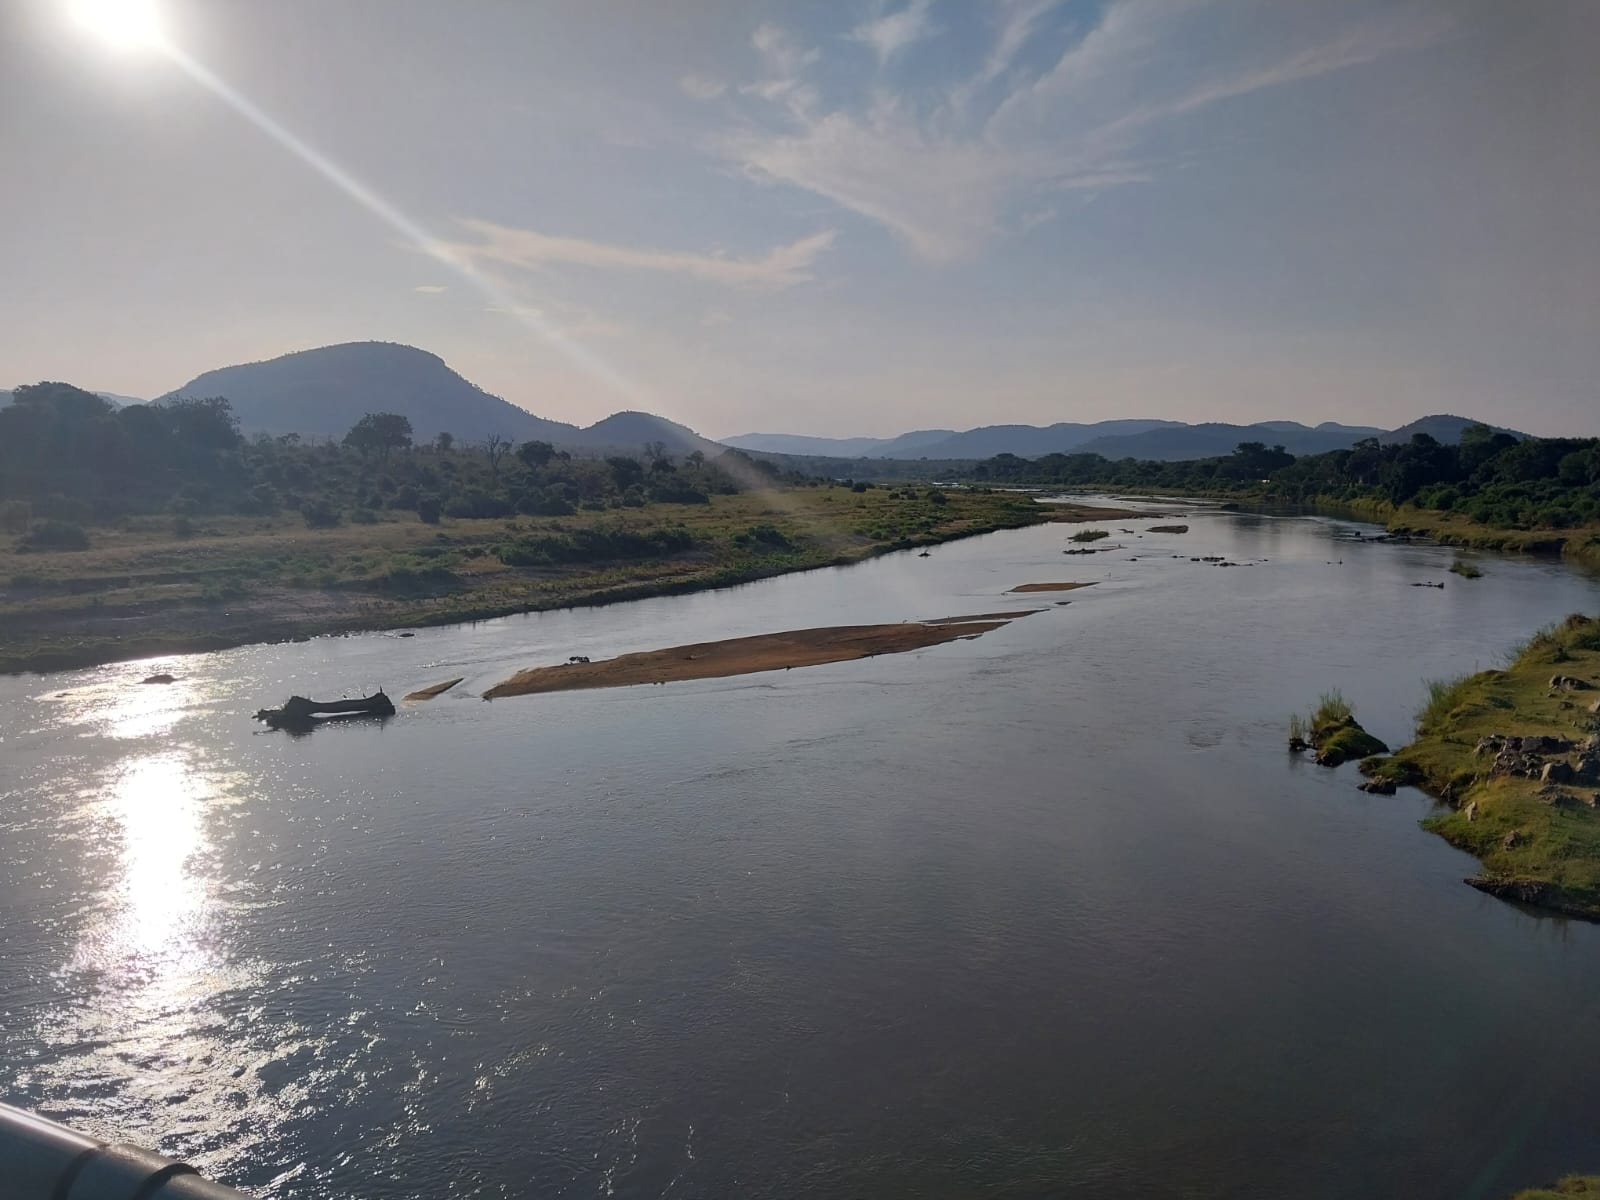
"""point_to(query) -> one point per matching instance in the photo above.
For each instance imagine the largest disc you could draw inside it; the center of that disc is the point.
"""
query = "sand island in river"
(746, 655)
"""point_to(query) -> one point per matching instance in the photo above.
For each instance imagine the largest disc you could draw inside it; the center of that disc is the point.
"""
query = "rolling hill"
(323, 392)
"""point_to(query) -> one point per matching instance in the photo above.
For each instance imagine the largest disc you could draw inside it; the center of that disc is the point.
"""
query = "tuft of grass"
(1297, 728)
(1090, 535)
(1445, 696)
(1465, 569)
(1332, 709)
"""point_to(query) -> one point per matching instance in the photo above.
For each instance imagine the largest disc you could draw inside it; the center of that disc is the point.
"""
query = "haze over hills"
(109, 397)
(323, 392)
(1144, 439)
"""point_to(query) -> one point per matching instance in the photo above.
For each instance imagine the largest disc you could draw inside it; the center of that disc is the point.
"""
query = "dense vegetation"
(1490, 478)
(68, 459)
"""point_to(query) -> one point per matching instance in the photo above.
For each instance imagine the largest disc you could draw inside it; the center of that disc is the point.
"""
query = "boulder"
(1378, 786)
(1569, 683)
(160, 679)
(1511, 840)
(1557, 772)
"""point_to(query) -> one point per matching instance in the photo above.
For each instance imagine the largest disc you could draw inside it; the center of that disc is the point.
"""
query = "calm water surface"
(1047, 913)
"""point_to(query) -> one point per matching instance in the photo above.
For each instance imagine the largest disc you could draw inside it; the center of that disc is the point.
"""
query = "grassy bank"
(1506, 749)
(140, 589)
(1581, 544)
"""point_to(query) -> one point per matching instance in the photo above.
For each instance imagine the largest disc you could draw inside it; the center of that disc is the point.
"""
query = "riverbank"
(141, 591)
(1580, 544)
(750, 655)
(1516, 754)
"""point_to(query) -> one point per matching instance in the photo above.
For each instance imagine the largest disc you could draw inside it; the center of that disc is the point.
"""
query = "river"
(1047, 913)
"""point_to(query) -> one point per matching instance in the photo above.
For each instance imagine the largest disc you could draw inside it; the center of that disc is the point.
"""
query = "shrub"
(593, 545)
(1332, 709)
(429, 510)
(477, 504)
(15, 515)
(764, 537)
(1465, 569)
(319, 514)
(55, 535)
(935, 496)
(1090, 535)
(860, 485)
(364, 516)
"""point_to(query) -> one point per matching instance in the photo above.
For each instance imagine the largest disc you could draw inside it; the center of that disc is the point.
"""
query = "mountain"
(1213, 438)
(1442, 427)
(630, 430)
(820, 447)
(323, 392)
(1026, 441)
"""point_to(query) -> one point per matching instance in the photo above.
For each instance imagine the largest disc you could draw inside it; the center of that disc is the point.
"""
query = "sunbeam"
(410, 230)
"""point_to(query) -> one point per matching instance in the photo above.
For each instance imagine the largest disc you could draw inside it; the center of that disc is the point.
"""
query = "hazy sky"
(829, 217)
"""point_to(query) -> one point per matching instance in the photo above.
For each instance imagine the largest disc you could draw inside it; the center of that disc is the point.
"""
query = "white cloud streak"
(506, 246)
(945, 177)
(889, 34)
(702, 87)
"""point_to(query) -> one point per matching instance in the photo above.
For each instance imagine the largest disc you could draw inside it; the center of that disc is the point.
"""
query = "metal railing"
(41, 1160)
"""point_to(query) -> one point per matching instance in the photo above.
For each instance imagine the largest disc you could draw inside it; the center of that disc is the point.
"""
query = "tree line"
(70, 458)
(1491, 477)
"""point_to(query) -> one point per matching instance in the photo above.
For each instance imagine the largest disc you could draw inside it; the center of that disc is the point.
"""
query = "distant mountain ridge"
(323, 392)
(1147, 439)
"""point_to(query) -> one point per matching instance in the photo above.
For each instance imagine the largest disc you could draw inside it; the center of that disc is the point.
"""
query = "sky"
(829, 217)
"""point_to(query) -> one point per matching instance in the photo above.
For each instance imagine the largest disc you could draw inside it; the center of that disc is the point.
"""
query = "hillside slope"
(323, 392)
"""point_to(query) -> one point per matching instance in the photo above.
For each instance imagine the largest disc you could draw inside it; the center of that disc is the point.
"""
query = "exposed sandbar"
(428, 693)
(741, 656)
(996, 616)
(1092, 512)
(1051, 587)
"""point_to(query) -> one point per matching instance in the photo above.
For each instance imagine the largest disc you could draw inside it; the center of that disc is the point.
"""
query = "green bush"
(55, 535)
(768, 537)
(319, 514)
(429, 510)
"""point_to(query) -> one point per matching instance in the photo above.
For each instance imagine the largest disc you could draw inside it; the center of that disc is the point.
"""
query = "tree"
(444, 441)
(535, 455)
(496, 446)
(379, 433)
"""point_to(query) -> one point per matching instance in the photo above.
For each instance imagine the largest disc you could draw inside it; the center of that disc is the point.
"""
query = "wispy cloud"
(897, 30)
(503, 245)
(702, 87)
(946, 174)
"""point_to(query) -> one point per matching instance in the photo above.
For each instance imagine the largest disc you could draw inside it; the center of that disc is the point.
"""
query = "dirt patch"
(741, 656)
(997, 616)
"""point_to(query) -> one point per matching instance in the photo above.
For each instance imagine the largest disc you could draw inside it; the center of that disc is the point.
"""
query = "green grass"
(1549, 851)
(1333, 732)
(1332, 709)
(141, 589)
(1564, 1189)
(1466, 569)
(1090, 535)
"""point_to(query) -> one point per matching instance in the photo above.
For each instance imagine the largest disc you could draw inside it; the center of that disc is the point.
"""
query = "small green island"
(1515, 754)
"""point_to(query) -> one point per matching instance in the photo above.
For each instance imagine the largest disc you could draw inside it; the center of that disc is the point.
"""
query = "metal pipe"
(41, 1160)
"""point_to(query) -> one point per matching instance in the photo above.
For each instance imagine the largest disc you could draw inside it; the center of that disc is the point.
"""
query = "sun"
(121, 24)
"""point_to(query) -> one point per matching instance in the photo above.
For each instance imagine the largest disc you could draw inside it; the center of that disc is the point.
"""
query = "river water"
(1047, 913)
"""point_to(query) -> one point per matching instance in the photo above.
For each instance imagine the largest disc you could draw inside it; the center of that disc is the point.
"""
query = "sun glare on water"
(126, 25)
